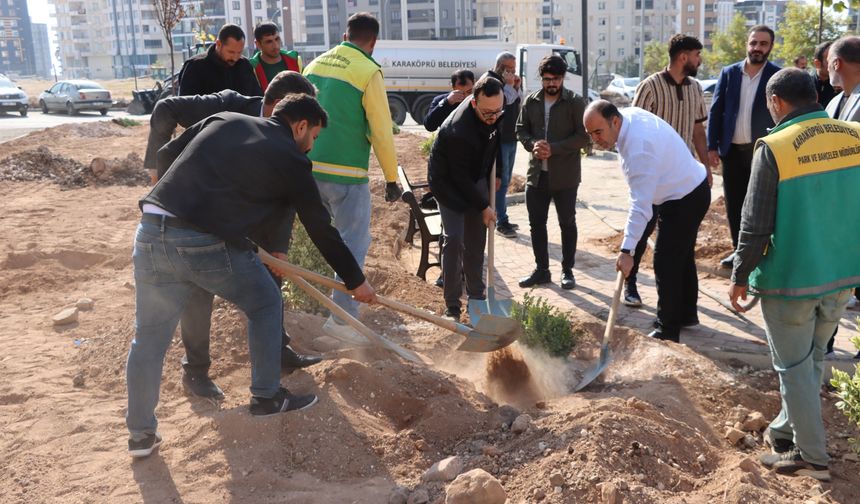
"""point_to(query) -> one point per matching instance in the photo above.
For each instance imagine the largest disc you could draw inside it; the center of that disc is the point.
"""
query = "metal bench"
(427, 222)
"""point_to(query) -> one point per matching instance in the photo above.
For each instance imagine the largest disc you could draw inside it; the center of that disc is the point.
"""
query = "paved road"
(12, 125)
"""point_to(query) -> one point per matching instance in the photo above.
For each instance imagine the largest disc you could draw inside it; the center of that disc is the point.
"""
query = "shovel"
(479, 308)
(489, 334)
(594, 372)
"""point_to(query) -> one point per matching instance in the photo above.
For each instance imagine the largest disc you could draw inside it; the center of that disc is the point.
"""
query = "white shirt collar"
(622, 135)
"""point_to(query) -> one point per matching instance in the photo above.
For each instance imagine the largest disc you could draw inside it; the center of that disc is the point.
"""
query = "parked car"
(73, 96)
(708, 87)
(625, 86)
(13, 97)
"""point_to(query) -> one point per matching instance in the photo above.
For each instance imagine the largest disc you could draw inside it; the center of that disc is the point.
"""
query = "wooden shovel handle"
(334, 284)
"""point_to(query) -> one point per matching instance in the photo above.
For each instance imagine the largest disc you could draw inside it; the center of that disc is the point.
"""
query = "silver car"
(12, 98)
(72, 96)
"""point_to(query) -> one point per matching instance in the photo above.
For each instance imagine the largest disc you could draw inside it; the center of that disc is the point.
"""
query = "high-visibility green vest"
(815, 246)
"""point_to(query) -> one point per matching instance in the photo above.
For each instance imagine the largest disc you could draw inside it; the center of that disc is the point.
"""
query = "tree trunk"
(173, 87)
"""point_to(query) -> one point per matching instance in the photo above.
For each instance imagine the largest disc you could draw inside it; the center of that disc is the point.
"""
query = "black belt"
(166, 220)
(744, 147)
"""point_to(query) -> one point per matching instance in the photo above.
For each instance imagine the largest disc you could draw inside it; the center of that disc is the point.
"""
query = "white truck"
(416, 71)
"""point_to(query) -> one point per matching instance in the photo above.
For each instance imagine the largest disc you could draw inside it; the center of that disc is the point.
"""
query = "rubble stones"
(755, 422)
(734, 435)
(750, 441)
(399, 495)
(475, 487)
(67, 316)
(556, 479)
(508, 414)
(444, 470)
(521, 424)
(748, 465)
(85, 304)
(609, 493)
(419, 496)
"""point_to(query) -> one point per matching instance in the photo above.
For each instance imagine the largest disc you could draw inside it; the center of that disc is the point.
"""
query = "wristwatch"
(625, 251)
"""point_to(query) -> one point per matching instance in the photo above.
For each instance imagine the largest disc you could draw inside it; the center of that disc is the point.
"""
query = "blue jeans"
(509, 153)
(171, 263)
(349, 207)
(797, 332)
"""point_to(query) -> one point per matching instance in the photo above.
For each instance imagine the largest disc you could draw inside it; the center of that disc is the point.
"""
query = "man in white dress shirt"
(661, 173)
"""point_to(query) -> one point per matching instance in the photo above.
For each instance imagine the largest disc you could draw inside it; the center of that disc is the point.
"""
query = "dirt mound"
(41, 164)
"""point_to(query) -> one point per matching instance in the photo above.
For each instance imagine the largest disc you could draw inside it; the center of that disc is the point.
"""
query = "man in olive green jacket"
(550, 127)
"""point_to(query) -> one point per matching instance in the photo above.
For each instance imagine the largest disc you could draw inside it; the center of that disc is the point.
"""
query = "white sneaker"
(344, 333)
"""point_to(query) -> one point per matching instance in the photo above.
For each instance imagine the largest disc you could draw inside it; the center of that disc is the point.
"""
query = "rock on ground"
(66, 316)
(521, 424)
(475, 487)
(444, 470)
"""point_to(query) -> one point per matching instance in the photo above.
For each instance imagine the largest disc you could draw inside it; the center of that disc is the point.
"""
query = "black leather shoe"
(728, 262)
(453, 312)
(567, 280)
(660, 335)
(691, 322)
(201, 386)
(290, 360)
(439, 282)
(631, 295)
(537, 277)
(513, 226)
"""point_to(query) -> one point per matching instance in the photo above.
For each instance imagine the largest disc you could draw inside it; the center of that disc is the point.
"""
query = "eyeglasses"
(490, 114)
(553, 79)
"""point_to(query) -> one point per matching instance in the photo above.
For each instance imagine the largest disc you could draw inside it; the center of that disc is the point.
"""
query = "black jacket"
(187, 110)
(462, 155)
(207, 73)
(508, 126)
(439, 110)
(231, 192)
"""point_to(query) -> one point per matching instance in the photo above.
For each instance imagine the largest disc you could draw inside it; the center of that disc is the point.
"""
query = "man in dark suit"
(222, 67)
(196, 318)
(738, 118)
(442, 105)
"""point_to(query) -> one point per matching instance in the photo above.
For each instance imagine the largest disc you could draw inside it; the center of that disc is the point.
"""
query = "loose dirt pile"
(713, 242)
(649, 431)
(41, 164)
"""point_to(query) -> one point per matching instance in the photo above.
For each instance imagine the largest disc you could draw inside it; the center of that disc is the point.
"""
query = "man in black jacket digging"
(196, 318)
(193, 235)
(460, 164)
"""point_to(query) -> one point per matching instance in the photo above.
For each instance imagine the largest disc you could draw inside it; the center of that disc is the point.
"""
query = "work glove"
(392, 192)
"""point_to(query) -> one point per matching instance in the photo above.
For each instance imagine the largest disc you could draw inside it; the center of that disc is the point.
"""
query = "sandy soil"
(651, 432)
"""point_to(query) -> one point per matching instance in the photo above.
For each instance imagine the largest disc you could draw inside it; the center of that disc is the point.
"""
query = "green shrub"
(427, 144)
(125, 122)
(304, 253)
(546, 327)
(848, 391)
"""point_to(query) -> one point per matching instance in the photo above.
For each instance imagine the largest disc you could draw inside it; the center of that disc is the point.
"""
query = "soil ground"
(651, 428)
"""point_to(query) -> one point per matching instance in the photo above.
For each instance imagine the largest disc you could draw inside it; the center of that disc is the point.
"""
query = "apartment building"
(109, 38)
(767, 12)
(41, 50)
(16, 40)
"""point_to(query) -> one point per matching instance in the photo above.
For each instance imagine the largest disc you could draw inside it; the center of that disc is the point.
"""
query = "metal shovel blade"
(594, 372)
(491, 333)
(478, 308)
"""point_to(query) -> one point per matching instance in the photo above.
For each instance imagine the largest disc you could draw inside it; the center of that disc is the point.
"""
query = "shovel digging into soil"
(489, 334)
(603, 361)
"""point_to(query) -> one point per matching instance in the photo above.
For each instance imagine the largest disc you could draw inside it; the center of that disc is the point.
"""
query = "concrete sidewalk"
(720, 333)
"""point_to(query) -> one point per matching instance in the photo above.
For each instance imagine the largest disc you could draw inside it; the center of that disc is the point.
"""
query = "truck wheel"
(44, 106)
(398, 109)
(420, 108)
(23, 112)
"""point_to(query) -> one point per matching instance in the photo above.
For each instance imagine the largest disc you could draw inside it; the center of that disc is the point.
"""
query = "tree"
(799, 31)
(729, 46)
(628, 66)
(168, 13)
(656, 57)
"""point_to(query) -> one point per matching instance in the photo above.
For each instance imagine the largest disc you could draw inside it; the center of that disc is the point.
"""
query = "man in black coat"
(442, 105)
(461, 161)
(222, 67)
(193, 235)
(196, 319)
